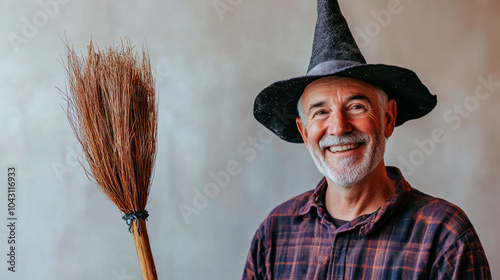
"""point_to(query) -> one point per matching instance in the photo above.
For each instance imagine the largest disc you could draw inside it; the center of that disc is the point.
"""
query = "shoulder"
(436, 215)
(459, 253)
(437, 210)
(291, 206)
(428, 212)
(283, 215)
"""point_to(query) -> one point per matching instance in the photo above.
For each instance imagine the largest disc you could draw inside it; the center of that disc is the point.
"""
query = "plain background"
(210, 63)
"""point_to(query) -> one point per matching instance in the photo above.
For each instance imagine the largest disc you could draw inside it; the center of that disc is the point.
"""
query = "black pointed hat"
(335, 53)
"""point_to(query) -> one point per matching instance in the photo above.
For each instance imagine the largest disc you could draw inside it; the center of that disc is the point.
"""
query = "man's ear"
(390, 117)
(303, 130)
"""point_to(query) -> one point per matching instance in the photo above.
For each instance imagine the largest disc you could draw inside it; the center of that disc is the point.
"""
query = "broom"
(111, 109)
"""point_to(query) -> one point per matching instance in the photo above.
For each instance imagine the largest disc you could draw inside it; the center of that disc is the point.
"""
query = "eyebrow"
(315, 105)
(358, 96)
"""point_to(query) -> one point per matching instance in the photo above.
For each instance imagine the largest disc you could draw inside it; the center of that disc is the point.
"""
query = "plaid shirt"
(411, 236)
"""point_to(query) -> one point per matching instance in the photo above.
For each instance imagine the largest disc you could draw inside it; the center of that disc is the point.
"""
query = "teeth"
(335, 149)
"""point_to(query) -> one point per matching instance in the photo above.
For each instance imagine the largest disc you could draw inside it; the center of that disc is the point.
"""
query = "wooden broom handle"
(144, 251)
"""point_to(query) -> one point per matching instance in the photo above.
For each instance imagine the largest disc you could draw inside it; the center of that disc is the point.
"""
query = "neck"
(365, 197)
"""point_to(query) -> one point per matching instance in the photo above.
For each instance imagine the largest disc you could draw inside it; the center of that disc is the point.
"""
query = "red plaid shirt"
(411, 236)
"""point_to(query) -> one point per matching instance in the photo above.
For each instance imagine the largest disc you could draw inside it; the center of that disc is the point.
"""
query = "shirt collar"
(368, 223)
(392, 206)
(315, 200)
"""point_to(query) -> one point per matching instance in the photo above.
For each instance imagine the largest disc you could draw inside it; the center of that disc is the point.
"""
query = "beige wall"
(210, 65)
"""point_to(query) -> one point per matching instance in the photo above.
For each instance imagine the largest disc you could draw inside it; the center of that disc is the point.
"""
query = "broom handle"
(144, 251)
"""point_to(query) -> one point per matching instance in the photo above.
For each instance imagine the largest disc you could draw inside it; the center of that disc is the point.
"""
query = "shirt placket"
(338, 256)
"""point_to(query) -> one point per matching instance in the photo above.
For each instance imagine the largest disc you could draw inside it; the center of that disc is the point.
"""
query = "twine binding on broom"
(131, 216)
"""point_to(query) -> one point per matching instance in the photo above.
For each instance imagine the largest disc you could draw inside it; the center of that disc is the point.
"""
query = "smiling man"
(344, 123)
(363, 220)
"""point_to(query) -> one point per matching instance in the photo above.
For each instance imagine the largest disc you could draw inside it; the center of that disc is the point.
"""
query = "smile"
(335, 149)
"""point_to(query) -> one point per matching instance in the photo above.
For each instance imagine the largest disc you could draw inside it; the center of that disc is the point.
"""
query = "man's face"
(345, 128)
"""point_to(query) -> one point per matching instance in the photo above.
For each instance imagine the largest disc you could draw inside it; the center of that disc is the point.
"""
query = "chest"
(397, 252)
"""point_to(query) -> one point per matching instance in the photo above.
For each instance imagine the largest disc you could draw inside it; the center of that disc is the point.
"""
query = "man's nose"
(339, 124)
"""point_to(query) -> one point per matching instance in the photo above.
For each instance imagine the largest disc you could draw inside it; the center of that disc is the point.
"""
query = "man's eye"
(357, 107)
(321, 112)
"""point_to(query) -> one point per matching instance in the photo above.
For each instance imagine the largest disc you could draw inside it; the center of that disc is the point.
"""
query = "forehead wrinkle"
(335, 82)
(342, 89)
(342, 94)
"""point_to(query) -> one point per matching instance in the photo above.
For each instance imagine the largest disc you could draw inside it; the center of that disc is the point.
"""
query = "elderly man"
(363, 220)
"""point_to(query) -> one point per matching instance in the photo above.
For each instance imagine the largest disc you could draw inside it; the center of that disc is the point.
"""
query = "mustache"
(348, 138)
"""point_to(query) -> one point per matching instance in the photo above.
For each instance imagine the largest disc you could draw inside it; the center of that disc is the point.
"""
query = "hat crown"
(333, 41)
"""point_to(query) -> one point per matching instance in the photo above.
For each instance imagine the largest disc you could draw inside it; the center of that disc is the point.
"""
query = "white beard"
(346, 172)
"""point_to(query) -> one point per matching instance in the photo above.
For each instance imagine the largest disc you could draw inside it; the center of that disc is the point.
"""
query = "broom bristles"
(112, 111)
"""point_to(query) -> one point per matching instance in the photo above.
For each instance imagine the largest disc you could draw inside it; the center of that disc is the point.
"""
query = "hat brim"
(276, 106)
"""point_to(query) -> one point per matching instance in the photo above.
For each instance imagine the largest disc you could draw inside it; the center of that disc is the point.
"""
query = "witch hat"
(335, 53)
